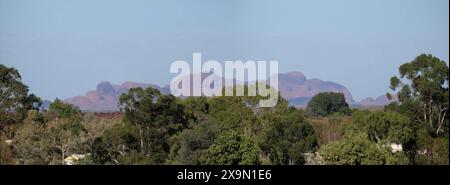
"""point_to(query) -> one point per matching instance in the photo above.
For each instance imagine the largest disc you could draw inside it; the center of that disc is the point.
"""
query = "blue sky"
(65, 47)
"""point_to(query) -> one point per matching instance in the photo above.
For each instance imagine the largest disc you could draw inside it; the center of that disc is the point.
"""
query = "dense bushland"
(154, 128)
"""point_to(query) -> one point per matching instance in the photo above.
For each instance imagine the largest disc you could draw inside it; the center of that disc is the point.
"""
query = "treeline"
(162, 129)
(414, 130)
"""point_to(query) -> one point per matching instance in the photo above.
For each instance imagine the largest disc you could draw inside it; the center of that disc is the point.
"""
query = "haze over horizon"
(65, 48)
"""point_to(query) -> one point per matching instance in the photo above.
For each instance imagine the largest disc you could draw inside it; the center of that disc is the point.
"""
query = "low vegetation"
(153, 128)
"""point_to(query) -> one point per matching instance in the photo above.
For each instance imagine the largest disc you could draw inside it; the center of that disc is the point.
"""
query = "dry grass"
(372, 108)
(328, 129)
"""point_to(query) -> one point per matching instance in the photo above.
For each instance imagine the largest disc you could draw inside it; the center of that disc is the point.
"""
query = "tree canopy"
(422, 87)
(156, 128)
(231, 149)
(156, 117)
(14, 98)
(327, 103)
(357, 149)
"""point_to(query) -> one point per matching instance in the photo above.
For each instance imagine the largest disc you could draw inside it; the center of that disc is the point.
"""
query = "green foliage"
(30, 145)
(49, 142)
(156, 117)
(30, 102)
(162, 129)
(14, 99)
(65, 110)
(328, 103)
(69, 117)
(64, 137)
(35, 117)
(357, 149)
(136, 158)
(231, 149)
(385, 126)
(432, 151)
(100, 152)
(287, 136)
(422, 89)
(423, 86)
(39, 144)
(115, 144)
(12, 90)
(188, 146)
(232, 113)
(196, 108)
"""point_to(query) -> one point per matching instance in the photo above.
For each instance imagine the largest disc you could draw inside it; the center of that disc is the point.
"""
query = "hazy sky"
(63, 48)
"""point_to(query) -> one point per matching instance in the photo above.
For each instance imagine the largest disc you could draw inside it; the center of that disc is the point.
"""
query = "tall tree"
(423, 84)
(156, 116)
(64, 132)
(13, 93)
(287, 136)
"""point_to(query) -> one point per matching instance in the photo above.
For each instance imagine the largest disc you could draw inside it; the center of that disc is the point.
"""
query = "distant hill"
(293, 86)
(379, 101)
(106, 96)
(298, 90)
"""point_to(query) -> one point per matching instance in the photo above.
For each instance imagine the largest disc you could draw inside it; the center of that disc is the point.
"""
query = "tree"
(196, 108)
(327, 103)
(116, 145)
(384, 126)
(188, 146)
(432, 151)
(32, 145)
(287, 136)
(100, 153)
(64, 137)
(357, 149)
(233, 114)
(423, 84)
(231, 149)
(65, 111)
(30, 102)
(64, 133)
(156, 116)
(31, 141)
(14, 98)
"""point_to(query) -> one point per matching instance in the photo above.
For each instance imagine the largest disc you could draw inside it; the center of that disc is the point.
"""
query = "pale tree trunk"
(424, 112)
(377, 138)
(430, 112)
(141, 137)
(442, 114)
